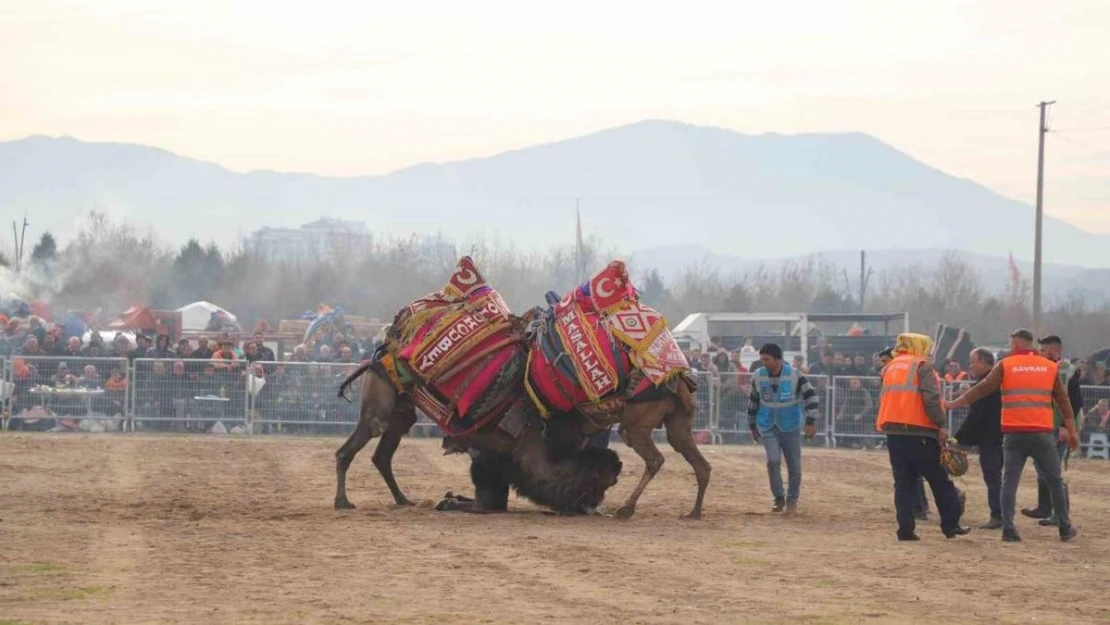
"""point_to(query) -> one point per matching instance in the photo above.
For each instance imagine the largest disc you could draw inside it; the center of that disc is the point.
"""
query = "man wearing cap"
(1030, 387)
(779, 397)
(1052, 348)
(915, 425)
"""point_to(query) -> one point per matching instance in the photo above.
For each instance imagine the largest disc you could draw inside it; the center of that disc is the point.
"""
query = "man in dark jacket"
(983, 427)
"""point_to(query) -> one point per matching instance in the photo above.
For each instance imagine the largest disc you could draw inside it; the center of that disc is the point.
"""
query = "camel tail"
(356, 374)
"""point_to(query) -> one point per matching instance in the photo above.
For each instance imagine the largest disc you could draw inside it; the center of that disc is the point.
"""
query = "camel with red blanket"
(459, 355)
(598, 357)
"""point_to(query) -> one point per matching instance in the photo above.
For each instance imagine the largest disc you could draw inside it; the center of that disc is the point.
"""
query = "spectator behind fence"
(96, 342)
(859, 365)
(72, 348)
(31, 347)
(162, 348)
(953, 372)
(264, 352)
(855, 409)
(203, 351)
(824, 367)
(50, 344)
(225, 358)
(1099, 415)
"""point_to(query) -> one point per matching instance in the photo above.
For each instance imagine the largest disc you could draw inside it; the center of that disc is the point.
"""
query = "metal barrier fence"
(58, 393)
(111, 394)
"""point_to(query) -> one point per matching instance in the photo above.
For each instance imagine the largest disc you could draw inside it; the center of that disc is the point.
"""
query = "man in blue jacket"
(780, 397)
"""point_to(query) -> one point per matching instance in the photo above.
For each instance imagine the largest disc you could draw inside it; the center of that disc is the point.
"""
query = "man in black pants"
(920, 501)
(910, 415)
(983, 427)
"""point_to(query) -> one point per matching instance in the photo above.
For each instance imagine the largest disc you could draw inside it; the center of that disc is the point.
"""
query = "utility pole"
(579, 253)
(18, 236)
(1041, 131)
(864, 278)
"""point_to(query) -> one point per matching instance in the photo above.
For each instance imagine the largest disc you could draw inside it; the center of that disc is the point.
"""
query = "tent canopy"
(195, 316)
(136, 318)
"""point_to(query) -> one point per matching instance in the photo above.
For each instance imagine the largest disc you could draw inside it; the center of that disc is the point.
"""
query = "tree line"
(113, 265)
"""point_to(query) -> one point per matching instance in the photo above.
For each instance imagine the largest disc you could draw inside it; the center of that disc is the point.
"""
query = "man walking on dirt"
(779, 396)
(1030, 387)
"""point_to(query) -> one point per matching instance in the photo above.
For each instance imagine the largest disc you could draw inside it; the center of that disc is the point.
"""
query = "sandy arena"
(134, 528)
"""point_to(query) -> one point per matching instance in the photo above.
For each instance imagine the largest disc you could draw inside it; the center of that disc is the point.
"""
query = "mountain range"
(648, 185)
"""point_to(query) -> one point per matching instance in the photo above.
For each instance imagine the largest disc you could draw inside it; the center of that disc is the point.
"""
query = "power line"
(1068, 139)
(1081, 128)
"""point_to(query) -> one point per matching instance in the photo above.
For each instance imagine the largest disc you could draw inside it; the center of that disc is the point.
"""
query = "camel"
(567, 480)
(638, 407)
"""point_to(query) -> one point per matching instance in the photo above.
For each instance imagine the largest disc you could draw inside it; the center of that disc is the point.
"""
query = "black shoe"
(993, 524)
(1044, 503)
(1010, 536)
(959, 530)
(1049, 522)
(779, 505)
(908, 537)
(1068, 533)
(1036, 513)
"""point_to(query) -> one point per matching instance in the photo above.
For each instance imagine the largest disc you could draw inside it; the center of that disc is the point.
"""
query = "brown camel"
(567, 480)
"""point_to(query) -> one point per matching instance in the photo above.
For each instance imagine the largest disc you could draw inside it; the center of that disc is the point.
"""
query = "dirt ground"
(133, 528)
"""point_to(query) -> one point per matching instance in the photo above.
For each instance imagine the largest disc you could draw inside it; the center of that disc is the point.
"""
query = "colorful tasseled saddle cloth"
(599, 346)
(460, 345)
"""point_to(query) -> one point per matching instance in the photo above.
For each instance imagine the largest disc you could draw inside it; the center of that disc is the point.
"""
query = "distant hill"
(1060, 281)
(645, 185)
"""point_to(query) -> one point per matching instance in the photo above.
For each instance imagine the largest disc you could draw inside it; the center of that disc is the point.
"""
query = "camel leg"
(639, 439)
(680, 435)
(403, 419)
(343, 458)
(378, 398)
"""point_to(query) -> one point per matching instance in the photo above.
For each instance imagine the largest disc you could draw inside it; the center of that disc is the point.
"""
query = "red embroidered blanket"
(593, 338)
(460, 344)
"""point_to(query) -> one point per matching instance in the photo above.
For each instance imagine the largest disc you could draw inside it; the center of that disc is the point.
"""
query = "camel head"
(576, 482)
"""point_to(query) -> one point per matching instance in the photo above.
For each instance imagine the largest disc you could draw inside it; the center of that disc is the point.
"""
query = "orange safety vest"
(900, 401)
(955, 378)
(1027, 383)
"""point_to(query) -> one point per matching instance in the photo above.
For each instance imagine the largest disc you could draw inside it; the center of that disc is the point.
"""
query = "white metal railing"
(183, 395)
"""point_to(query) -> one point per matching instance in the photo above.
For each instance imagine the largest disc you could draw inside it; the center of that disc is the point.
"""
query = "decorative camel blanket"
(592, 340)
(460, 344)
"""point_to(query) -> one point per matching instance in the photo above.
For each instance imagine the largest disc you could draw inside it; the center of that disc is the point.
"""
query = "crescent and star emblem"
(466, 276)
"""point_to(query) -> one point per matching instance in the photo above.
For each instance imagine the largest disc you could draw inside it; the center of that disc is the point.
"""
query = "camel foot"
(625, 512)
(343, 504)
(402, 503)
(691, 516)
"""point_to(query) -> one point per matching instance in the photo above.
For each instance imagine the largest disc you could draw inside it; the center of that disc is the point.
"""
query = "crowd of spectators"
(194, 384)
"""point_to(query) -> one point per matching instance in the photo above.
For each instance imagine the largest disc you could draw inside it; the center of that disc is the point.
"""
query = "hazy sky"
(356, 87)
